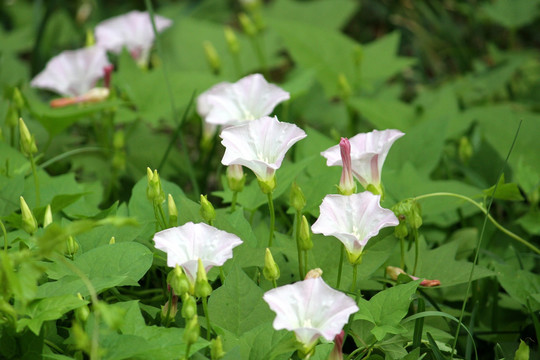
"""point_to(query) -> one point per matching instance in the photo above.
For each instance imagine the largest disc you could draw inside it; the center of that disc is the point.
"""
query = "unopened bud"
(236, 178)
(271, 269)
(112, 241)
(344, 86)
(47, 218)
(297, 198)
(305, 234)
(82, 312)
(189, 307)
(465, 150)
(247, 25)
(393, 272)
(154, 191)
(28, 143)
(314, 273)
(18, 99)
(96, 94)
(173, 211)
(202, 287)
(29, 223)
(232, 40)
(216, 348)
(207, 210)
(169, 310)
(192, 330)
(267, 186)
(178, 281)
(72, 246)
(347, 186)
(212, 57)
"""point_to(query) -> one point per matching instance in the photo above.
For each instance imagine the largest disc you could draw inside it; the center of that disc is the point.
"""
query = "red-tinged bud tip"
(107, 70)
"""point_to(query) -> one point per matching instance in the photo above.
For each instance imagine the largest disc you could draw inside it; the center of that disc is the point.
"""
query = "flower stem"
(274, 283)
(207, 315)
(493, 221)
(272, 218)
(305, 261)
(233, 201)
(36, 180)
(402, 245)
(299, 250)
(340, 267)
(416, 250)
(5, 235)
(354, 276)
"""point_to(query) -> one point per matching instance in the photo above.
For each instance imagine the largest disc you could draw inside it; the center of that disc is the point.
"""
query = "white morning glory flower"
(311, 309)
(73, 72)
(353, 219)
(250, 98)
(188, 243)
(132, 30)
(260, 145)
(368, 153)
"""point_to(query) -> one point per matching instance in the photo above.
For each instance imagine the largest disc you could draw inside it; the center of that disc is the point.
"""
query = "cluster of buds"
(154, 191)
(409, 215)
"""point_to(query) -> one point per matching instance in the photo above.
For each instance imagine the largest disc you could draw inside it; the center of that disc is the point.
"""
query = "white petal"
(186, 244)
(73, 72)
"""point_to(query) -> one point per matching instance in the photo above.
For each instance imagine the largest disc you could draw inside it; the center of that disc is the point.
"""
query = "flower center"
(356, 232)
(307, 323)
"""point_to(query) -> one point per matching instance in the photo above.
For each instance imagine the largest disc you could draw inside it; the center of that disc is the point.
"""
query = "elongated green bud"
(202, 287)
(305, 234)
(82, 312)
(236, 178)
(178, 281)
(271, 269)
(18, 99)
(247, 25)
(28, 143)
(173, 305)
(296, 197)
(173, 211)
(154, 191)
(216, 348)
(189, 307)
(207, 210)
(112, 241)
(47, 218)
(29, 223)
(212, 57)
(232, 40)
(192, 330)
(72, 246)
(344, 86)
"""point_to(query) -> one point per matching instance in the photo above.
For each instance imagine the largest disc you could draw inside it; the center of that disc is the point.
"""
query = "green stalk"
(402, 245)
(70, 153)
(299, 250)
(207, 315)
(272, 218)
(36, 180)
(354, 276)
(5, 235)
(416, 250)
(305, 261)
(340, 266)
(233, 201)
(488, 216)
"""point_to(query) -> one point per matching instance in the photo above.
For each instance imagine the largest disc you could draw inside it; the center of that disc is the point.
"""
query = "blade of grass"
(183, 148)
(536, 323)
(419, 325)
(499, 353)
(434, 348)
(470, 340)
(479, 242)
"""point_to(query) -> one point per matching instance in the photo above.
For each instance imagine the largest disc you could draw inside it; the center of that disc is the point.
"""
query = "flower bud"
(189, 307)
(212, 57)
(18, 100)
(168, 315)
(271, 269)
(107, 75)
(207, 210)
(202, 287)
(94, 95)
(154, 191)
(178, 281)
(347, 186)
(112, 241)
(28, 143)
(232, 40)
(344, 86)
(314, 273)
(393, 272)
(401, 231)
(305, 234)
(47, 218)
(236, 178)
(173, 211)
(216, 348)
(29, 223)
(337, 351)
(296, 197)
(72, 246)
(247, 25)
(82, 312)
(465, 150)
(192, 330)
(267, 186)
(12, 116)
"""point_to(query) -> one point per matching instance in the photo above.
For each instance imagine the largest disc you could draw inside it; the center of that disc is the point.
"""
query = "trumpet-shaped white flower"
(368, 153)
(311, 309)
(132, 30)
(188, 243)
(250, 98)
(353, 219)
(260, 145)
(73, 72)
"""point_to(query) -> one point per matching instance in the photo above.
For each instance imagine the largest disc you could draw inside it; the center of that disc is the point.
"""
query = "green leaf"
(387, 308)
(519, 284)
(504, 191)
(522, 353)
(50, 308)
(106, 266)
(239, 304)
(512, 14)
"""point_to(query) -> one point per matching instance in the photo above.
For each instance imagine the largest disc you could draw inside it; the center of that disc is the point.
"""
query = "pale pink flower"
(133, 31)
(250, 98)
(346, 184)
(260, 145)
(73, 72)
(311, 309)
(188, 243)
(368, 153)
(353, 219)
